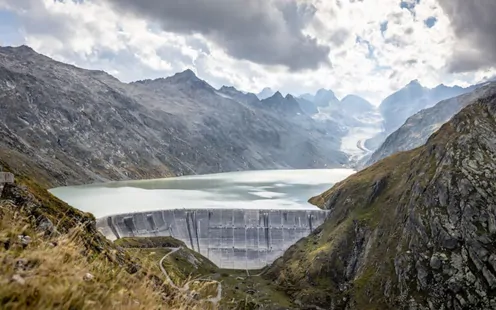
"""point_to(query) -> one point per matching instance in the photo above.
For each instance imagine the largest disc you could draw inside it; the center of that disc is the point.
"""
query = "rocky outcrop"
(232, 93)
(307, 106)
(416, 230)
(325, 98)
(282, 105)
(418, 128)
(81, 126)
(353, 104)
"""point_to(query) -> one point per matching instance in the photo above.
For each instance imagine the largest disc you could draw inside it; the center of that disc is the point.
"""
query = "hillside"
(83, 126)
(240, 289)
(53, 258)
(416, 230)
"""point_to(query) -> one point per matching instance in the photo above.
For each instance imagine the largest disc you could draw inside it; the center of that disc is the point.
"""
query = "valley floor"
(240, 289)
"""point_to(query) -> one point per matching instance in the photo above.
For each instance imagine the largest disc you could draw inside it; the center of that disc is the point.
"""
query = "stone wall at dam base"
(230, 238)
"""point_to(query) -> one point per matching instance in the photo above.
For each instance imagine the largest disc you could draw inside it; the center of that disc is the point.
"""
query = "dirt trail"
(215, 300)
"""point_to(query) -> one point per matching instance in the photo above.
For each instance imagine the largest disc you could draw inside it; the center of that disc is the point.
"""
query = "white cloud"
(90, 34)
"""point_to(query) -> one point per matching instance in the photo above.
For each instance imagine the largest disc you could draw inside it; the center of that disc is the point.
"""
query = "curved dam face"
(230, 238)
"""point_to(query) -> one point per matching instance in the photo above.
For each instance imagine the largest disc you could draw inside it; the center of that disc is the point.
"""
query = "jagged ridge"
(83, 126)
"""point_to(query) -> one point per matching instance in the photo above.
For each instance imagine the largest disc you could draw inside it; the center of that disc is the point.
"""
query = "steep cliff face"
(418, 128)
(82, 126)
(416, 230)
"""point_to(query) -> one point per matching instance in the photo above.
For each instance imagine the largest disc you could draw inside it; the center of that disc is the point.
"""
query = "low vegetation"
(52, 257)
(241, 289)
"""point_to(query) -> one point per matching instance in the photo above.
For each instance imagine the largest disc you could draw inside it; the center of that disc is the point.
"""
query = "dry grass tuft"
(58, 272)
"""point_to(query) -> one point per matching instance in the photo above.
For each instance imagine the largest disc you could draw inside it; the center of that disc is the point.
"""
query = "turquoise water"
(271, 189)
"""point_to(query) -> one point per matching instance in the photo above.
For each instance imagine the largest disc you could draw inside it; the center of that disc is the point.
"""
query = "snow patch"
(353, 143)
(224, 95)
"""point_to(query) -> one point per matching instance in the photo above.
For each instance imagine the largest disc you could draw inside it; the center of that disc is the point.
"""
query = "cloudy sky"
(365, 47)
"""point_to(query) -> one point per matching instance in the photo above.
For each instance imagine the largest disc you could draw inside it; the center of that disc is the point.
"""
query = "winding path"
(185, 288)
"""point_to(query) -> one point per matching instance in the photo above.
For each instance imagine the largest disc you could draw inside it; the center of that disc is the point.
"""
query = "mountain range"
(85, 126)
(420, 126)
(92, 127)
(416, 229)
(367, 126)
(396, 108)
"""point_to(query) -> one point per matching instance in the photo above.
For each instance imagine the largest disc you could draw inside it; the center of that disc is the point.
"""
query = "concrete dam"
(230, 238)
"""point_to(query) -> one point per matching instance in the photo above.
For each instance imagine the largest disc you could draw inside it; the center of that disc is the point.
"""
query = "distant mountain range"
(397, 107)
(89, 126)
(83, 126)
(366, 127)
(412, 98)
(276, 103)
(415, 230)
(420, 126)
(356, 116)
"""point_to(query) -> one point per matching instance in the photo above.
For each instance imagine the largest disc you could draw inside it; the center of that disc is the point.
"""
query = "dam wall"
(230, 238)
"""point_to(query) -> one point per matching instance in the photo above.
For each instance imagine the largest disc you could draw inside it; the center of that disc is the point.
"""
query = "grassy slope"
(313, 268)
(54, 278)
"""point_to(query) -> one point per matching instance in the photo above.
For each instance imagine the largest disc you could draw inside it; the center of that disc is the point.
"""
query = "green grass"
(54, 268)
(239, 291)
(57, 262)
(149, 242)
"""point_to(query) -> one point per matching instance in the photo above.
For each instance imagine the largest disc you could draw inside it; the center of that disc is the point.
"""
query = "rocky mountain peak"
(183, 77)
(287, 105)
(22, 49)
(325, 97)
(265, 93)
(228, 89)
(444, 88)
(277, 96)
(180, 78)
(187, 81)
(414, 83)
(233, 93)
